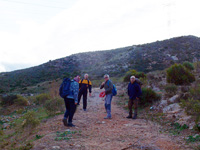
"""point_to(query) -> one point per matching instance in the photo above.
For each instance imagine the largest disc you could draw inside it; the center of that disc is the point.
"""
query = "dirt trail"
(96, 133)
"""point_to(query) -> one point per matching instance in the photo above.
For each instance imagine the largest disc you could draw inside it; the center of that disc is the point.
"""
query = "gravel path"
(92, 132)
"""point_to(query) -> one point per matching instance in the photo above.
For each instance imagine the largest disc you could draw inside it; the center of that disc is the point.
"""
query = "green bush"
(42, 98)
(54, 105)
(148, 97)
(30, 120)
(171, 89)
(192, 107)
(188, 65)
(133, 73)
(179, 75)
(1, 132)
(21, 101)
(20, 111)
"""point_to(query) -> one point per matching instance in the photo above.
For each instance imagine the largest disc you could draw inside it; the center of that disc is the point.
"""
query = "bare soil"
(93, 132)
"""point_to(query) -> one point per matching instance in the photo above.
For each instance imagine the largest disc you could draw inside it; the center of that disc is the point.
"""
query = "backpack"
(138, 82)
(114, 90)
(64, 89)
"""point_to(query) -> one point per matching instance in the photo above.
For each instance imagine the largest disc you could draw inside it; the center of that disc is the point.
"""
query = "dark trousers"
(70, 109)
(132, 102)
(84, 93)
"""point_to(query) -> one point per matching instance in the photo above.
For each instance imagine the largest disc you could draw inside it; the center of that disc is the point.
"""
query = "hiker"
(69, 91)
(84, 85)
(108, 86)
(134, 93)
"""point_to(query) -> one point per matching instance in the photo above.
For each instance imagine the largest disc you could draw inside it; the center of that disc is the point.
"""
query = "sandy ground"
(95, 133)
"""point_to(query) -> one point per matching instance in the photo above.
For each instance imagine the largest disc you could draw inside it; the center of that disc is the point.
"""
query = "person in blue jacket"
(134, 93)
(71, 101)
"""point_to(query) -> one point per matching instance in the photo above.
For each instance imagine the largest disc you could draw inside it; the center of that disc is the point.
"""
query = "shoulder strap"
(81, 81)
(88, 82)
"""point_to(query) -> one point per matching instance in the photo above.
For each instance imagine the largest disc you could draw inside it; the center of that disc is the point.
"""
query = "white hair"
(86, 75)
(132, 77)
(106, 75)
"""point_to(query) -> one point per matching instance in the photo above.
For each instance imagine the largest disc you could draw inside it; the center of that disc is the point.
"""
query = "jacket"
(85, 84)
(74, 87)
(134, 90)
(108, 86)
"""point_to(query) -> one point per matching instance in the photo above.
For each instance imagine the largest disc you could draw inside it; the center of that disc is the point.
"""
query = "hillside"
(147, 57)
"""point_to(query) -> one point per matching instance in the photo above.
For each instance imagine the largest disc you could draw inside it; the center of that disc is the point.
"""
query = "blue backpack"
(114, 90)
(64, 89)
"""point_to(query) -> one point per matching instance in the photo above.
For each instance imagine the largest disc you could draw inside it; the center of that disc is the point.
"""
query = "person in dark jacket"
(84, 85)
(134, 93)
(108, 86)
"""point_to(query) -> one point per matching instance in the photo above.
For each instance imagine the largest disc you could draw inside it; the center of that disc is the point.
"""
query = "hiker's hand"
(90, 94)
(102, 83)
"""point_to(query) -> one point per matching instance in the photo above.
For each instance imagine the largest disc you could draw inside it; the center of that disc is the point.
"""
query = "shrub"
(30, 120)
(179, 75)
(192, 107)
(54, 105)
(21, 101)
(171, 89)
(133, 73)
(1, 132)
(188, 65)
(42, 98)
(148, 97)
(20, 111)
(8, 100)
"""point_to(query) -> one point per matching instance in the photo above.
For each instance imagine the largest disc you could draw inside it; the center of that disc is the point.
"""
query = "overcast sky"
(36, 31)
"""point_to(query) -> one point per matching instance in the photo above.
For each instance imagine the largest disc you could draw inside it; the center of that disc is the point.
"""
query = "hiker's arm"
(76, 90)
(102, 85)
(139, 92)
(90, 87)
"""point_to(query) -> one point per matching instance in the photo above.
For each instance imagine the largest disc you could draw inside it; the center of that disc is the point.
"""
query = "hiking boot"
(70, 125)
(129, 117)
(135, 116)
(107, 117)
(65, 122)
(84, 109)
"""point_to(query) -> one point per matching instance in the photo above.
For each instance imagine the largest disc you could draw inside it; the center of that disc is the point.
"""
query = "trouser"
(84, 93)
(130, 105)
(108, 101)
(70, 109)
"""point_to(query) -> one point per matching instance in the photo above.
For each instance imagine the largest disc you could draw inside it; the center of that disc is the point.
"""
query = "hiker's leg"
(108, 103)
(85, 99)
(130, 105)
(67, 106)
(79, 96)
(135, 106)
(71, 111)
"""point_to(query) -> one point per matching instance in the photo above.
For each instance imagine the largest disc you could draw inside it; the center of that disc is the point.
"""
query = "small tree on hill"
(179, 75)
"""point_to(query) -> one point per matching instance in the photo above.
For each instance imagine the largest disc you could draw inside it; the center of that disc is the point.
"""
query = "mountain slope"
(147, 57)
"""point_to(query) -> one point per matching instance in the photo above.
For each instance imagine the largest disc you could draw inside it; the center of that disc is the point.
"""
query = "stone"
(6, 126)
(163, 103)
(184, 120)
(56, 147)
(191, 125)
(174, 99)
(172, 108)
